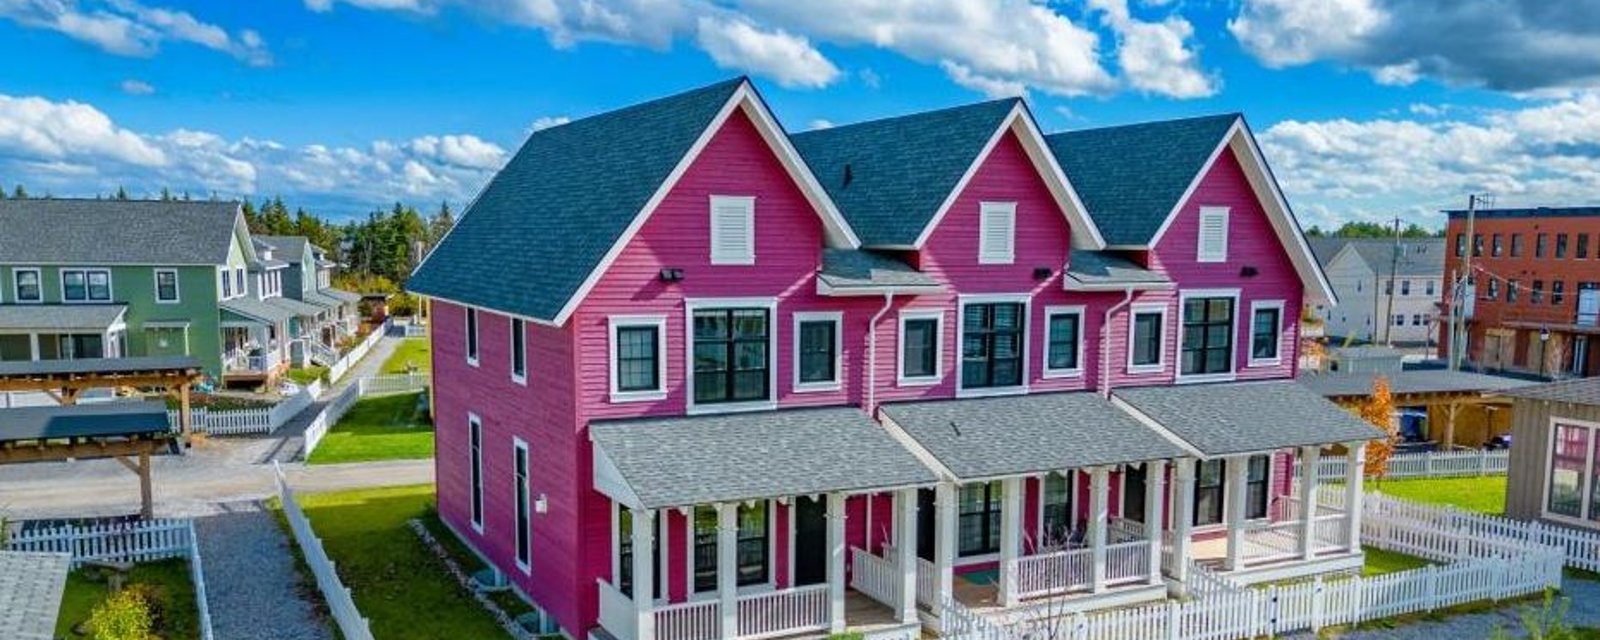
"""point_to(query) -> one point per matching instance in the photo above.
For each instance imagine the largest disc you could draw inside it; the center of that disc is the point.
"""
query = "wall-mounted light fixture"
(671, 274)
(1042, 273)
(1248, 272)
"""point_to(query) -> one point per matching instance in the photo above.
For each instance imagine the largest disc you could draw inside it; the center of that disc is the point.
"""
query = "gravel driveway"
(252, 586)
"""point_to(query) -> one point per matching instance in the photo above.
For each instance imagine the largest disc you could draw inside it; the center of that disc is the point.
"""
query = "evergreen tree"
(166, 194)
(121, 194)
(20, 193)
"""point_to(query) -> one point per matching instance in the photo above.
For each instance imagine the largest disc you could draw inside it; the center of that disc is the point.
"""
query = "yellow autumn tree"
(1379, 410)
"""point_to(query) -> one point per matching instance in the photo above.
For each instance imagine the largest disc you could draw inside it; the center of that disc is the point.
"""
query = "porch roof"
(60, 317)
(1233, 418)
(320, 299)
(1412, 381)
(340, 295)
(1090, 270)
(31, 601)
(99, 420)
(846, 271)
(257, 309)
(981, 438)
(295, 306)
(656, 463)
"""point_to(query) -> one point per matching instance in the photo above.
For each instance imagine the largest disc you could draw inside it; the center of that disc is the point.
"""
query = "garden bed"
(166, 583)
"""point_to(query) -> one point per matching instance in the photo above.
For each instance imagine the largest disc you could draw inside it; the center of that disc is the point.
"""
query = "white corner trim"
(1278, 333)
(1044, 364)
(613, 325)
(901, 379)
(835, 317)
(1134, 311)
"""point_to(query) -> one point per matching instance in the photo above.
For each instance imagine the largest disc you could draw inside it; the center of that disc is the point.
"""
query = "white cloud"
(1282, 33)
(1156, 57)
(135, 87)
(820, 123)
(128, 28)
(51, 131)
(545, 122)
(460, 150)
(786, 58)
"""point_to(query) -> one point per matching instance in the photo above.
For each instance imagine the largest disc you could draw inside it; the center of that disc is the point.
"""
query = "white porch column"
(836, 562)
(905, 550)
(728, 568)
(1155, 480)
(1010, 539)
(944, 540)
(33, 346)
(1355, 467)
(644, 529)
(1182, 518)
(1099, 514)
(1309, 457)
(1235, 469)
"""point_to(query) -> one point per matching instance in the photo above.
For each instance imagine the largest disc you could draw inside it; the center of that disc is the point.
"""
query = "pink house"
(868, 377)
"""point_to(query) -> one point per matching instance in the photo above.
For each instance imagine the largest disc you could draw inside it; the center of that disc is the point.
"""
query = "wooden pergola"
(64, 380)
(129, 432)
(1450, 391)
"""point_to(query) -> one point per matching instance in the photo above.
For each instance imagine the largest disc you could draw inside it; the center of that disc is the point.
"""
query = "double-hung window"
(1257, 487)
(29, 287)
(1207, 335)
(227, 283)
(1057, 520)
(978, 521)
(523, 507)
(624, 568)
(475, 436)
(472, 336)
(992, 344)
(920, 339)
(1541, 244)
(1572, 488)
(166, 285)
(1536, 296)
(1561, 246)
(1146, 337)
(1208, 492)
(753, 546)
(85, 285)
(732, 355)
(638, 352)
(1266, 322)
(519, 351)
(1210, 489)
(1133, 493)
(1063, 341)
(817, 349)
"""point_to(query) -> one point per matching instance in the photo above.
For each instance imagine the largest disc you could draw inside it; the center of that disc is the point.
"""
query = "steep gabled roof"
(1418, 256)
(545, 226)
(890, 177)
(286, 248)
(1131, 177)
(111, 232)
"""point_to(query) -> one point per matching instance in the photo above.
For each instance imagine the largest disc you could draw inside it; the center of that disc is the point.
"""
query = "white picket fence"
(1426, 464)
(341, 605)
(231, 422)
(132, 542)
(1581, 548)
(338, 369)
(394, 383)
(329, 416)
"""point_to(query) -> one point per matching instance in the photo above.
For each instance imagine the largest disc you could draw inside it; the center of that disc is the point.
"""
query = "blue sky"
(345, 105)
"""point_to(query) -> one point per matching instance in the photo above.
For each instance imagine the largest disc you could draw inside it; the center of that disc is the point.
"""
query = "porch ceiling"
(673, 462)
(1234, 418)
(983, 438)
(60, 317)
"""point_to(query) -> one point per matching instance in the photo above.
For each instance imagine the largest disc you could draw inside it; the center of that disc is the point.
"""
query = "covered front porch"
(746, 519)
(254, 341)
(61, 332)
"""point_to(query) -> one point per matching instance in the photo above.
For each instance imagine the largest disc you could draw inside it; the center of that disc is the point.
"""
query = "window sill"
(472, 362)
(1265, 363)
(817, 387)
(169, 302)
(731, 407)
(623, 397)
(918, 382)
(989, 392)
(1051, 374)
(1139, 369)
(525, 567)
(1206, 377)
(28, 301)
(521, 380)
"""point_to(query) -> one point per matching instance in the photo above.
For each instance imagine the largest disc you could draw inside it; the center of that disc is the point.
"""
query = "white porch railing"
(689, 621)
(1127, 562)
(874, 577)
(1059, 572)
(927, 583)
(760, 615)
(784, 612)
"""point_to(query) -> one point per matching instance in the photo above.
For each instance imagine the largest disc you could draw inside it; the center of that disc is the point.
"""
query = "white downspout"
(1105, 341)
(872, 361)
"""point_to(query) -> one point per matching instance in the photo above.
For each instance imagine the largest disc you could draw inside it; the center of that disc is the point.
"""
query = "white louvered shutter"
(997, 233)
(733, 232)
(1213, 234)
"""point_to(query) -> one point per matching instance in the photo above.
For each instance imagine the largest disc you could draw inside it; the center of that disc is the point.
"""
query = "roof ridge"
(1146, 123)
(120, 200)
(640, 106)
(908, 116)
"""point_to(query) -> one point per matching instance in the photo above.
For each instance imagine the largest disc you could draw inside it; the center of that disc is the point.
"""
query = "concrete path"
(252, 586)
(289, 440)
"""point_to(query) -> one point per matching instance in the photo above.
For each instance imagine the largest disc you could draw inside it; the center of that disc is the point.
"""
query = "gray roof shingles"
(889, 177)
(1336, 384)
(845, 269)
(287, 248)
(982, 438)
(1130, 177)
(60, 317)
(1244, 417)
(296, 307)
(258, 309)
(106, 232)
(1578, 391)
(1418, 256)
(545, 221)
(102, 419)
(681, 461)
(1101, 268)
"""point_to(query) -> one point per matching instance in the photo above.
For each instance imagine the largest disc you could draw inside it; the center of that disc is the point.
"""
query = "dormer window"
(1213, 234)
(997, 233)
(733, 223)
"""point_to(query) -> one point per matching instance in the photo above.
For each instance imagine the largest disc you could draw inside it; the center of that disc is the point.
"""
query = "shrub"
(123, 616)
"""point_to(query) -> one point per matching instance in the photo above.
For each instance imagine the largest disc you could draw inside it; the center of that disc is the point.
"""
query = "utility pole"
(1458, 322)
(1394, 266)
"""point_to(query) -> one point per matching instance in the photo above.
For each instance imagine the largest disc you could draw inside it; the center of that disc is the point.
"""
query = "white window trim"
(749, 204)
(835, 317)
(1588, 473)
(1134, 311)
(1233, 360)
(695, 304)
(663, 566)
(1277, 359)
(177, 292)
(772, 553)
(475, 459)
(961, 325)
(996, 255)
(61, 276)
(1200, 245)
(16, 287)
(901, 379)
(615, 323)
(513, 327)
(519, 449)
(472, 324)
(1073, 372)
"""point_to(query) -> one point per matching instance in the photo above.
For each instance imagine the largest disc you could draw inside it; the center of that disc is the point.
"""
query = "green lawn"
(1380, 562)
(398, 583)
(178, 618)
(378, 428)
(411, 351)
(1486, 494)
(307, 375)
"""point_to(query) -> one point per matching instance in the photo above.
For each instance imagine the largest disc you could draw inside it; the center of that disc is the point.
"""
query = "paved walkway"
(252, 586)
(1583, 597)
(289, 440)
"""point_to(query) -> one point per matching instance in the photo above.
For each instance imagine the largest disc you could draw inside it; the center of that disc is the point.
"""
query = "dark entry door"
(810, 541)
(925, 524)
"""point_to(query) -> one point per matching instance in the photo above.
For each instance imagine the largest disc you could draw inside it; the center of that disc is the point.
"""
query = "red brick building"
(1537, 288)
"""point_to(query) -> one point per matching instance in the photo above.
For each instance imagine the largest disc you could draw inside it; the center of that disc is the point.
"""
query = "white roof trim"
(608, 480)
(839, 232)
(1033, 143)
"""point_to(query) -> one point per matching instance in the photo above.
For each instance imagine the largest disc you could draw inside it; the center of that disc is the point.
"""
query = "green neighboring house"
(112, 278)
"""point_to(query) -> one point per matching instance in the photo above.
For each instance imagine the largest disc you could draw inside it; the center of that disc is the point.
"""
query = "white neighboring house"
(1365, 275)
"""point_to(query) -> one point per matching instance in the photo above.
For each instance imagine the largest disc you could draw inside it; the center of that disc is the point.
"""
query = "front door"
(810, 541)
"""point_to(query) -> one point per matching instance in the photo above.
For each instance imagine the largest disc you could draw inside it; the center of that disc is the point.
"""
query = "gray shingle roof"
(104, 232)
(31, 587)
(1578, 391)
(670, 462)
(1334, 385)
(287, 248)
(865, 270)
(296, 307)
(258, 309)
(1016, 435)
(26, 368)
(321, 299)
(100, 419)
(1326, 247)
(1130, 177)
(340, 295)
(60, 317)
(889, 177)
(545, 221)
(1243, 417)
(1088, 269)
(1418, 256)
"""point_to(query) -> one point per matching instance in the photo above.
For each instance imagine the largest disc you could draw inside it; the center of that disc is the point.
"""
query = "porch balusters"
(1309, 457)
(1354, 471)
(944, 541)
(1155, 480)
(1099, 516)
(727, 567)
(1010, 539)
(1236, 470)
(905, 551)
(1182, 520)
(643, 574)
(836, 560)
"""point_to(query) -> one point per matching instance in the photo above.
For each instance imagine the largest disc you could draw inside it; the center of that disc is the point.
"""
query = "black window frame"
(730, 343)
(519, 349)
(649, 357)
(475, 442)
(1536, 294)
(1153, 341)
(1214, 488)
(1561, 246)
(807, 352)
(1516, 245)
(1461, 245)
(926, 358)
(1055, 342)
(1477, 245)
(1271, 338)
(1511, 290)
(1496, 245)
(1541, 245)
(986, 519)
(472, 334)
(1134, 478)
(523, 515)
(1582, 250)
(1202, 352)
(1558, 292)
(981, 342)
(38, 285)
